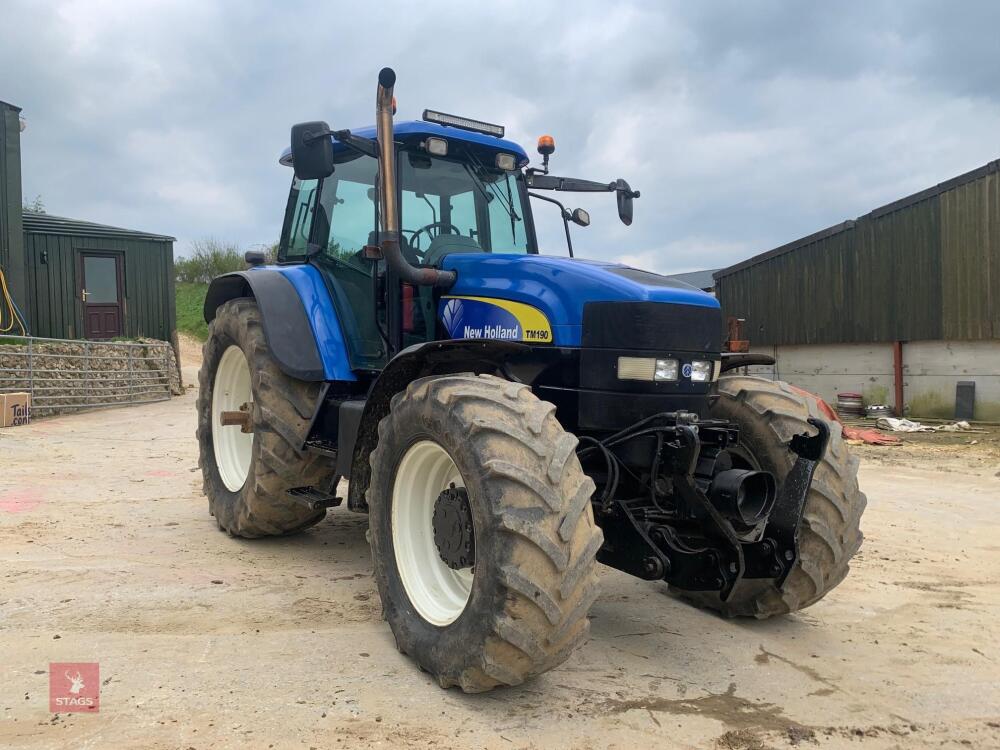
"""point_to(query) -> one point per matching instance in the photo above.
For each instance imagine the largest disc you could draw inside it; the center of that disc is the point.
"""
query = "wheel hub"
(453, 531)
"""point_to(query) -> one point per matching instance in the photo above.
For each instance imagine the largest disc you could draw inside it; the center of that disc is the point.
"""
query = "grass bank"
(190, 300)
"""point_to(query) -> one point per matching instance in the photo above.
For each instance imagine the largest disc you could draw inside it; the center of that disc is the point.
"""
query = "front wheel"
(248, 463)
(769, 413)
(483, 537)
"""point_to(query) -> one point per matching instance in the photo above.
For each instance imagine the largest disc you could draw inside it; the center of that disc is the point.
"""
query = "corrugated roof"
(39, 223)
(896, 205)
(698, 279)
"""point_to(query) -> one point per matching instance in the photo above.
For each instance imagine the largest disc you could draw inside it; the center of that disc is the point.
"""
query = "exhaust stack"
(388, 193)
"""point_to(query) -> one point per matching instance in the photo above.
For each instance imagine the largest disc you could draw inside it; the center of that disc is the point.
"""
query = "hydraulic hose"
(388, 193)
(12, 312)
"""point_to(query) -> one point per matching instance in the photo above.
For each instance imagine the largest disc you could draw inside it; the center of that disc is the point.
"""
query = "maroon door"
(101, 292)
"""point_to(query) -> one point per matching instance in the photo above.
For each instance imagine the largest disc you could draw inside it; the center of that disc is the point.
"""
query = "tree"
(211, 257)
(37, 206)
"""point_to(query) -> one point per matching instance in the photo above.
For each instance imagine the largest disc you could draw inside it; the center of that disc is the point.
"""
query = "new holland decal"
(487, 318)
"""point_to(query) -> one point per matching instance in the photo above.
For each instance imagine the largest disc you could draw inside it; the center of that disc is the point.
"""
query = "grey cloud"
(744, 124)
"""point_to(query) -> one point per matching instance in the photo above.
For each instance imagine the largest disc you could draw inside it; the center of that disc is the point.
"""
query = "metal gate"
(66, 375)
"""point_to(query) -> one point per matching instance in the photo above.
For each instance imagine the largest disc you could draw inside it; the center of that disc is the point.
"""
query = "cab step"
(313, 498)
(322, 447)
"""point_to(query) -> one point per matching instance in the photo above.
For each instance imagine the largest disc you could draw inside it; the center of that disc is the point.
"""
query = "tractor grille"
(652, 326)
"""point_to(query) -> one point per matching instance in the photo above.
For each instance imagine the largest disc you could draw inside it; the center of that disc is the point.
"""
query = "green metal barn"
(901, 304)
(77, 279)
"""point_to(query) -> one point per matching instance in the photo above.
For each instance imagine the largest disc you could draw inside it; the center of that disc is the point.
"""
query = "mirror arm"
(576, 185)
(565, 217)
(567, 184)
(366, 146)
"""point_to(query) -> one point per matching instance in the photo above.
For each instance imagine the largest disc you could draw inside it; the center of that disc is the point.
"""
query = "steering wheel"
(440, 226)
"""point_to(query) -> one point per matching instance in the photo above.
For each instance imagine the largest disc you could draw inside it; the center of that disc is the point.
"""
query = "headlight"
(647, 368)
(666, 369)
(636, 368)
(436, 146)
(701, 371)
(506, 162)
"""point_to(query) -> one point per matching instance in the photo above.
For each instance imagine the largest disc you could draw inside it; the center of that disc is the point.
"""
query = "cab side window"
(346, 214)
(299, 214)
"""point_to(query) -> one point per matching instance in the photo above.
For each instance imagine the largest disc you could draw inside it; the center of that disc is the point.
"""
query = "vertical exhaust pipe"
(388, 194)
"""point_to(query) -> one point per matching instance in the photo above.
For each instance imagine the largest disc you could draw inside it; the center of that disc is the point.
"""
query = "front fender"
(300, 322)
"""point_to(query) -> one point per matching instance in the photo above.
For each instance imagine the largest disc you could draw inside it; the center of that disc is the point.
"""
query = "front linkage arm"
(775, 554)
(655, 551)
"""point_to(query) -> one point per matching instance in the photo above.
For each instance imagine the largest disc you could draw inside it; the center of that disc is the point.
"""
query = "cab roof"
(412, 132)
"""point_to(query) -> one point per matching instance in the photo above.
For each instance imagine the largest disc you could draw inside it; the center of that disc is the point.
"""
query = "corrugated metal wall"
(54, 286)
(926, 267)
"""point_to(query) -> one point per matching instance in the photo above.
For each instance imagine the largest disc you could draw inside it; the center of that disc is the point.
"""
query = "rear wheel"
(248, 468)
(483, 537)
(769, 413)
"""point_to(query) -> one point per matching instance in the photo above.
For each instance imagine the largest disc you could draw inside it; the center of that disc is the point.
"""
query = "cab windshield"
(459, 207)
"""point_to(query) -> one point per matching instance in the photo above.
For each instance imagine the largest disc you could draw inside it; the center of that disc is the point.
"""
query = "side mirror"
(580, 217)
(312, 150)
(625, 196)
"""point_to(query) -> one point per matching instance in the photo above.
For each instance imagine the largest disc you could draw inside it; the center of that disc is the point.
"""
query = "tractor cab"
(459, 191)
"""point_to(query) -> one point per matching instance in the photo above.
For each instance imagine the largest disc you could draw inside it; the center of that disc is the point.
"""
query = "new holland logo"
(452, 317)
(484, 318)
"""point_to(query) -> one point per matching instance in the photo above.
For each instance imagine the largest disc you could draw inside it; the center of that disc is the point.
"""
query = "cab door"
(328, 223)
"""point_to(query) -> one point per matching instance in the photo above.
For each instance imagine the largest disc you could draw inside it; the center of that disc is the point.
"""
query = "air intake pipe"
(388, 193)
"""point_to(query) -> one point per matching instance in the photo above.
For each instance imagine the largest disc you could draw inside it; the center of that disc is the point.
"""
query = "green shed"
(92, 281)
(76, 279)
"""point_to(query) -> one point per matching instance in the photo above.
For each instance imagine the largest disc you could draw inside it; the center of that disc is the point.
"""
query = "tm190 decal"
(487, 318)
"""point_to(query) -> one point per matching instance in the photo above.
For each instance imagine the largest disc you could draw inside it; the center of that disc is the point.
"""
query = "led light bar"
(465, 123)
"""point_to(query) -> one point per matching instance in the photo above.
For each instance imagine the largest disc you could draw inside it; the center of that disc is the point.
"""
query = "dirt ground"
(109, 555)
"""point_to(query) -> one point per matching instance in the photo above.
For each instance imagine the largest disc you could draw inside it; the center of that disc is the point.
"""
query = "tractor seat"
(446, 244)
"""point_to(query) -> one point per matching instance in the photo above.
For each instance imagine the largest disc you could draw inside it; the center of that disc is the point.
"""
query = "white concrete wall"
(931, 369)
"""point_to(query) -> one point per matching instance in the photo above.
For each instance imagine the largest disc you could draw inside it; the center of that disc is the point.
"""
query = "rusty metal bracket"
(241, 418)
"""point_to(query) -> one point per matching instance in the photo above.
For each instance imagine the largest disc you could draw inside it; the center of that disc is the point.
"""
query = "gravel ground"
(109, 555)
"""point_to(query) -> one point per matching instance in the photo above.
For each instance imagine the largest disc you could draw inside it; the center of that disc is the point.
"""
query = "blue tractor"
(507, 419)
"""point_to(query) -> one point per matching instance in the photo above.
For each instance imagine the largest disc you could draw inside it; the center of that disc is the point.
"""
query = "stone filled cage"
(64, 375)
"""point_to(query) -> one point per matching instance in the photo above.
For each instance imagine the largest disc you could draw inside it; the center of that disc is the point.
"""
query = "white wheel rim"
(436, 591)
(233, 447)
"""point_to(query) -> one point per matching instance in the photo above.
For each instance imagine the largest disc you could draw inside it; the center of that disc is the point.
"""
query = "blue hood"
(560, 287)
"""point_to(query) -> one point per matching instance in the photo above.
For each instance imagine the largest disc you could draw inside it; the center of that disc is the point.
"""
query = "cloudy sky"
(744, 124)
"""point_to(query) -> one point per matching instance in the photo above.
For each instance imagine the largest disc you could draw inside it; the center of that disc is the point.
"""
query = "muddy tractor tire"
(246, 474)
(483, 537)
(769, 413)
